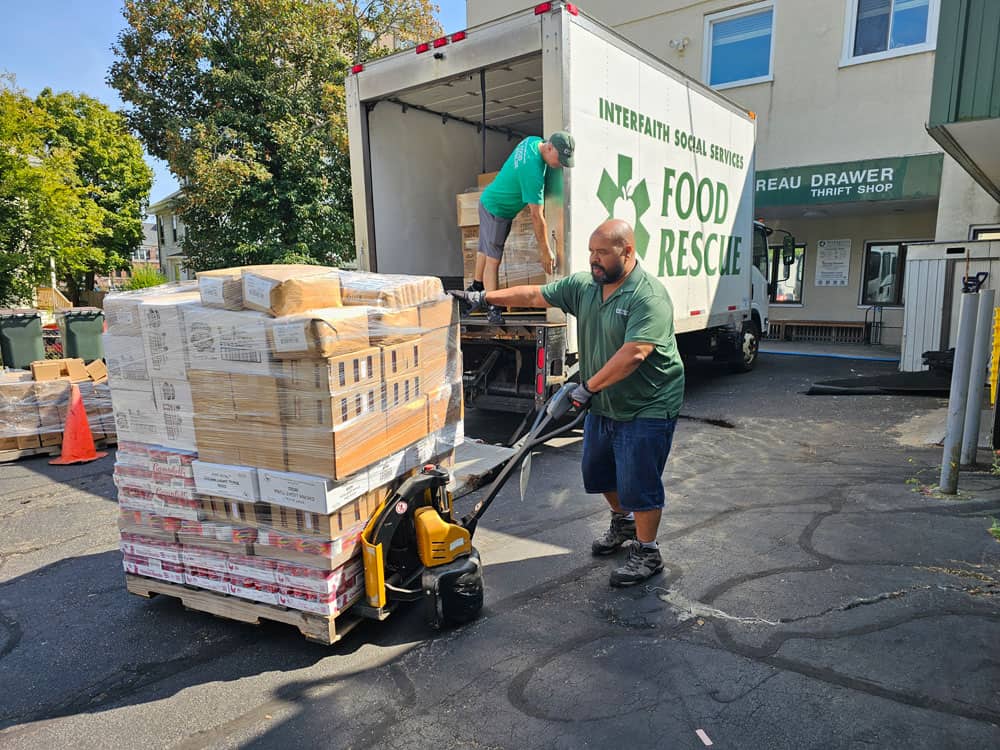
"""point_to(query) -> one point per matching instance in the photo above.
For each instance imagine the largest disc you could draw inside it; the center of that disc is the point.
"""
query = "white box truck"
(653, 146)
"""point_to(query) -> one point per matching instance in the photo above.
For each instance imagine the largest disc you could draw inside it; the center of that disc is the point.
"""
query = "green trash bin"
(80, 329)
(20, 338)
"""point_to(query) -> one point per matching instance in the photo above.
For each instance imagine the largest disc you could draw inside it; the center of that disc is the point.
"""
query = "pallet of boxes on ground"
(34, 405)
(264, 413)
(520, 264)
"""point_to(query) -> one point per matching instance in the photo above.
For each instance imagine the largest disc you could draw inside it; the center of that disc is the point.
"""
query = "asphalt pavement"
(818, 594)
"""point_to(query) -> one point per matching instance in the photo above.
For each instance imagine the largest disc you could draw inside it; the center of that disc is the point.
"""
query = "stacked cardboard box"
(33, 405)
(520, 264)
(259, 440)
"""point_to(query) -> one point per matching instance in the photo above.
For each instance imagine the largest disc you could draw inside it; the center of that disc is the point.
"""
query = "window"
(985, 233)
(878, 29)
(173, 225)
(159, 230)
(882, 283)
(738, 49)
(141, 253)
(789, 290)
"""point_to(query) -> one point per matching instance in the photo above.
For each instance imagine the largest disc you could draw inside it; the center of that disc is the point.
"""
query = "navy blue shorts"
(627, 458)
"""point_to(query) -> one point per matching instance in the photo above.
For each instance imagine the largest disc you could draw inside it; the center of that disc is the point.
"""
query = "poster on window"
(833, 262)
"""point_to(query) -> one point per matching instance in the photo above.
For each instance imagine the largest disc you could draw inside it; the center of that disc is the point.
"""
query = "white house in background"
(170, 233)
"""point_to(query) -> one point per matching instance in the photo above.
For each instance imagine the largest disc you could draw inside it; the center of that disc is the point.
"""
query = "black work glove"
(581, 396)
(470, 301)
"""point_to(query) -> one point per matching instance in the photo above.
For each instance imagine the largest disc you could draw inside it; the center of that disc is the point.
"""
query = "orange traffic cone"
(78, 441)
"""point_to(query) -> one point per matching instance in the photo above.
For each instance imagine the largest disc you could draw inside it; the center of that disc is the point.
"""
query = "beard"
(609, 275)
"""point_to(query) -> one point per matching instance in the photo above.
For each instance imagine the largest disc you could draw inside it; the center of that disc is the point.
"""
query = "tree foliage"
(244, 100)
(73, 189)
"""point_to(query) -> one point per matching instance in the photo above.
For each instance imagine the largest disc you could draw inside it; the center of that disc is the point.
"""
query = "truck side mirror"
(788, 250)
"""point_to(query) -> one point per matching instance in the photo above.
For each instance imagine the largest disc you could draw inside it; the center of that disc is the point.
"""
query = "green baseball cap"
(564, 145)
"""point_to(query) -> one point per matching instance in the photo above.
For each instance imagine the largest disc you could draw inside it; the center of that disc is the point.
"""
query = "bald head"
(612, 251)
(617, 232)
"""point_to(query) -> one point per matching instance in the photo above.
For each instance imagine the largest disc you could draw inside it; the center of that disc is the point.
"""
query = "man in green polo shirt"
(519, 183)
(632, 376)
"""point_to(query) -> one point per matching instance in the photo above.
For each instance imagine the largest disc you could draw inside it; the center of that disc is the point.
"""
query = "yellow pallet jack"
(413, 548)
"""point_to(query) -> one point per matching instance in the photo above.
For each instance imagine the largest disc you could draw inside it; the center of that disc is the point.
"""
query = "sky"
(66, 45)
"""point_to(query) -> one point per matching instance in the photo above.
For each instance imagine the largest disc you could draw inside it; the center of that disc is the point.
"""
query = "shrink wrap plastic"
(259, 444)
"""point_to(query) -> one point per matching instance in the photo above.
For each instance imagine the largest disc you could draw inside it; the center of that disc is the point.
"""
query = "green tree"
(244, 100)
(72, 185)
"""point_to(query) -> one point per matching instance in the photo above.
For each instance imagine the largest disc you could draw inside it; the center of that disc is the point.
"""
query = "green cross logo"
(610, 191)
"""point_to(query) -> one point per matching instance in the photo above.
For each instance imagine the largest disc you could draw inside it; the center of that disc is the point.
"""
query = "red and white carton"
(330, 604)
(250, 588)
(134, 544)
(206, 559)
(152, 568)
(205, 578)
(256, 568)
(305, 578)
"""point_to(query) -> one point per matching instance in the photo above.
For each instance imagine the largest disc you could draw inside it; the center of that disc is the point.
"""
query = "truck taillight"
(542, 8)
(540, 384)
(541, 359)
(357, 68)
(573, 10)
(423, 47)
(440, 42)
(458, 36)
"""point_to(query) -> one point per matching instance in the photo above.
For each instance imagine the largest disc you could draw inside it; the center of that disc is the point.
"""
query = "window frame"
(976, 229)
(802, 282)
(847, 56)
(903, 246)
(744, 10)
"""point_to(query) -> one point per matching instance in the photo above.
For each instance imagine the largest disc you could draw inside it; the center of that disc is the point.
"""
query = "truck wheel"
(749, 348)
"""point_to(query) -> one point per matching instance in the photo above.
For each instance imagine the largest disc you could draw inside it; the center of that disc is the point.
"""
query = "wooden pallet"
(49, 450)
(318, 628)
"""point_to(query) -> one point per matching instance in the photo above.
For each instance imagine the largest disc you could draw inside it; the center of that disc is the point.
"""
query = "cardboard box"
(125, 357)
(401, 359)
(333, 374)
(233, 482)
(287, 290)
(485, 179)
(384, 290)
(310, 493)
(162, 322)
(121, 314)
(320, 333)
(445, 407)
(224, 401)
(224, 341)
(223, 287)
(47, 369)
(389, 325)
(98, 371)
(329, 525)
(243, 444)
(406, 411)
(136, 417)
(175, 402)
(77, 370)
(438, 314)
(91, 404)
(238, 512)
(338, 452)
(323, 411)
(468, 208)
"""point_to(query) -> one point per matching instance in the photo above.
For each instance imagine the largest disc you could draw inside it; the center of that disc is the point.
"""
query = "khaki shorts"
(493, 232)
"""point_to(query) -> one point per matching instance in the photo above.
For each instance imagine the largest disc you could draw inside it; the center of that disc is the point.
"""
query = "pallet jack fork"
(414, 548)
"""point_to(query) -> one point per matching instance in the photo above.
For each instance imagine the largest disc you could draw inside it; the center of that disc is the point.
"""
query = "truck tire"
(748, 348)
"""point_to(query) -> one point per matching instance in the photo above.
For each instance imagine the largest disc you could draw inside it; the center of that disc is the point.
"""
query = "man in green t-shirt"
(632, 377)
(519, 183)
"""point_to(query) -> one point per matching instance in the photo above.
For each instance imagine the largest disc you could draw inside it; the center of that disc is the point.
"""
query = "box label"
(257, 291)
(290, 337)
(211, 290)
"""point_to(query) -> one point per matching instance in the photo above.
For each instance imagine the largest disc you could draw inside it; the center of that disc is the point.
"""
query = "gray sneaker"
(494, 315)
(622, 530)
(641, 564)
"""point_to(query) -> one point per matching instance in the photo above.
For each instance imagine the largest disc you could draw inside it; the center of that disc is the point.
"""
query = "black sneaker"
(641, 564)
(622, 530)
(494, 316)
(475, 286)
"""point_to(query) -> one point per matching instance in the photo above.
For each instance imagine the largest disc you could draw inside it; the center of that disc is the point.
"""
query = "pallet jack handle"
(555, 408)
